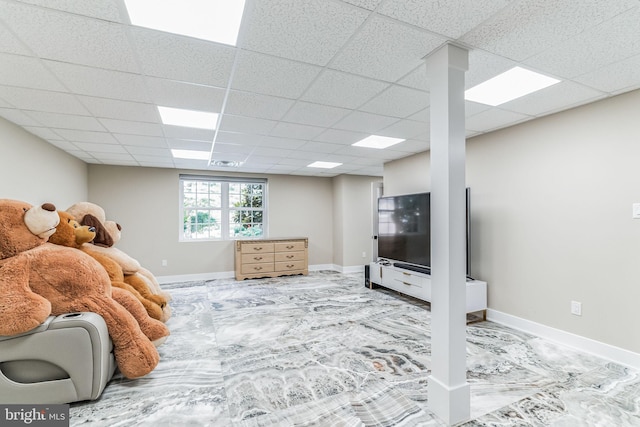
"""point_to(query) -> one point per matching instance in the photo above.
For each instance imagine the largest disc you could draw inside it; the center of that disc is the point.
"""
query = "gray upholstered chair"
(68, 358)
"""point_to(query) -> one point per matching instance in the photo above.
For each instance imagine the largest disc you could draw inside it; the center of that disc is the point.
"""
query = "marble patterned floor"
(323, 350)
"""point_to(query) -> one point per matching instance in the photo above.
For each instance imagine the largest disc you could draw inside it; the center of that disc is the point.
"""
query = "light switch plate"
(636, 211)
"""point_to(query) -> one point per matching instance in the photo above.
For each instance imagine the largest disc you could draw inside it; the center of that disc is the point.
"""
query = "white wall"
(353, 217)
(36, 172)
(145, 202)
(551, 217)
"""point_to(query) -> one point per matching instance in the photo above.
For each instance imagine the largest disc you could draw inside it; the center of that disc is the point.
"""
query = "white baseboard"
(587, 345)
(195, 277)
(231, 274)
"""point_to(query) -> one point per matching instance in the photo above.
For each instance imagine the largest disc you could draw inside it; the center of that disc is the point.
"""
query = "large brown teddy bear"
(73, 235)
(38, 278)
(108, 233)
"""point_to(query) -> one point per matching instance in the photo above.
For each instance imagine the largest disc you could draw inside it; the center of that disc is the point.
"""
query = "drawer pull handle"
(406, 274)
(257, 248)
(289, 256)
(290, 265)
(257, 258)
(257, 268)
(408, 284)
(290, 247)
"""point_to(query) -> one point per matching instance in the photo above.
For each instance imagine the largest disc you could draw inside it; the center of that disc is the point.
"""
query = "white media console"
(418, 285)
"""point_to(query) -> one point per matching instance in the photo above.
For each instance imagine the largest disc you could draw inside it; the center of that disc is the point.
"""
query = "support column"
(449, 393)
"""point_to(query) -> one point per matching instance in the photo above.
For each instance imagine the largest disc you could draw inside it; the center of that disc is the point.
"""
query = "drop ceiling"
(307, 79)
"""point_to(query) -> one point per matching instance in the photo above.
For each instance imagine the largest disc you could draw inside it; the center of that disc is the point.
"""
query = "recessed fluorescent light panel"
(507, 86)
(188, 118)
(323, 165)
(214, 20)
(379, 142)
(190, 154)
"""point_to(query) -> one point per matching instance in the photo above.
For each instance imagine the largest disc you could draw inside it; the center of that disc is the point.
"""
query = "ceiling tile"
(484, 65)
(417, 78)
(360, 121)
(123, 110)
(337, 136)
(272, 25)
(452, 18)
(398, 101)
(366, 4)
(342, 90)
(472, 108)
(552, 98)
(18, 117)
(405, 129)
(44, 133)
(622, 75)
(315, 114)
(101, 83)
(86, 136)
(63, 145)
(184, 144)
(65, 121)
(140, 140)
(70, 38)
(238, 138)
(272, 76)
(320, 147)
(294, 130)
(148, 151)
(609, 42)
(104, 9)
(492, 119)
(157, 163)
(40, 100)
(28, 72)
(9, 43)
(412, 146)
(385, 50)
(257, 105)
(184, 59)
(188, 133)
(171, 93)
(246, 124)
(281, 142)
(233, 148)
(132, 128)
(526, 28)
(91, 147)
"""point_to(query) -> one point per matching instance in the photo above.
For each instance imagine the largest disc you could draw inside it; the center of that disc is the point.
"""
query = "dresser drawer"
(257, 268)
(290, 265)
(255, 257)
(288, 246)
(289, 256)
(256, 248)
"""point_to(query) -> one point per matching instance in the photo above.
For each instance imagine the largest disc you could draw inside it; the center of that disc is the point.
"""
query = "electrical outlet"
(364, 254)
(576, 308)
(164, 263)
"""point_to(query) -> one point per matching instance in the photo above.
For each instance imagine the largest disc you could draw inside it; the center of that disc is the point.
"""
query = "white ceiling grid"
(307, 79)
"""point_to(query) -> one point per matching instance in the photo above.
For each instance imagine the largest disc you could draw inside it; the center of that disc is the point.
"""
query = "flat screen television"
(404, 229)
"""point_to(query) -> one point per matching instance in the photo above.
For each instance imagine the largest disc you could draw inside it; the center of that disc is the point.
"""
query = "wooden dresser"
(271, 257)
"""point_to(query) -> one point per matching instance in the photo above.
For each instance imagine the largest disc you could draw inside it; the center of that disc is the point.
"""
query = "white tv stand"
(418, 285)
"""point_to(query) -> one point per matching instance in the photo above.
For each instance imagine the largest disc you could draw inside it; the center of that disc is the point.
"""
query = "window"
(222, 208)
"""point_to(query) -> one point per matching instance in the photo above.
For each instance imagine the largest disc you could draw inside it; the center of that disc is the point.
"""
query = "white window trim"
(225, 208)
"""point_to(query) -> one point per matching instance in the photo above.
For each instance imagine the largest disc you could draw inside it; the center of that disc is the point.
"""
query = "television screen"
(404, 228)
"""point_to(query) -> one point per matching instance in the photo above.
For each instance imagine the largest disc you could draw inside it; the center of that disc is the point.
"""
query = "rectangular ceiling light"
(190, 154)
(323, 165)
(214, 20)
(379, 142)
(507, 86)
(188, 118)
